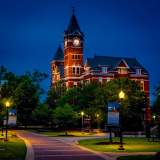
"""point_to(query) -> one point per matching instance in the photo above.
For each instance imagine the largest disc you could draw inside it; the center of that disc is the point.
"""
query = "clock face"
(76, 42)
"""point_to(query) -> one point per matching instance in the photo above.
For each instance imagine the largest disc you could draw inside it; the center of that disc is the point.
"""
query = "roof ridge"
(115, 57)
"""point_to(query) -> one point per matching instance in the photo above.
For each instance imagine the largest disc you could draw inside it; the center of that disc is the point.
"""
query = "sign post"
(112, 118)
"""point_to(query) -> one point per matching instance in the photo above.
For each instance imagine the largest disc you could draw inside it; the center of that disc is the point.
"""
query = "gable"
(122, 64)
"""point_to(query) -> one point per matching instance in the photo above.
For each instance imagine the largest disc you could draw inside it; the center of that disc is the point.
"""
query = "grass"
(139, 157)
(13, 149)
(61, 133)
(130, 144)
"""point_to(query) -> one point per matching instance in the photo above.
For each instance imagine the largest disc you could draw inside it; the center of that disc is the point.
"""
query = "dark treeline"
(62, 108)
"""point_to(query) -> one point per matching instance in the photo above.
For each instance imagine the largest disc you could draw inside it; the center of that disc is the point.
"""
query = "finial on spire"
(73, 10)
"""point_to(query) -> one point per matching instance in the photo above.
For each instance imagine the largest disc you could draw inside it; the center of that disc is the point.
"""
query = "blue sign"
(113, 113)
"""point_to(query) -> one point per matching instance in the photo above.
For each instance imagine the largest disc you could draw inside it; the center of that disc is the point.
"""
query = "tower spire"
(73, 10)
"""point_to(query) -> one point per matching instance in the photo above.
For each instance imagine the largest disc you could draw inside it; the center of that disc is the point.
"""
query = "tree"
(42, 115)
(92, 101)
(156, 105)
(88, 98)
(8, 83)
(132, 106)
(26, 98)
(24, 90)
(156, 108)
(52, 98)
(64, 116)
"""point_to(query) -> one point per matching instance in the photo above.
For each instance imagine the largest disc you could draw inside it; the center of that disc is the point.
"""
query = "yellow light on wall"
(121, 94)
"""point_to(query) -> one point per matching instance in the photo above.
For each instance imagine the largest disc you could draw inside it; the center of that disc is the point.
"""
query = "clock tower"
(73, 53)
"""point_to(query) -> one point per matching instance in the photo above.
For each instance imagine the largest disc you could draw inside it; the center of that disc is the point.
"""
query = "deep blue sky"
(31, 30)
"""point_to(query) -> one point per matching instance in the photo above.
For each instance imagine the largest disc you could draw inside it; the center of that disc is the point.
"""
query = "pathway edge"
(30, 152)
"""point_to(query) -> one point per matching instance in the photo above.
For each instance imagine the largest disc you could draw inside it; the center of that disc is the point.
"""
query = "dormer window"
(104, 69)
(138, 71)
(122, 70)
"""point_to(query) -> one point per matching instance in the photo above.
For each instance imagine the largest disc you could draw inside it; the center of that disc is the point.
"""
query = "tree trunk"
(66, 134)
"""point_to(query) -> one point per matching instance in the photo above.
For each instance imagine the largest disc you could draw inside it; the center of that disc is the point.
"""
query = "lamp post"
(154, 117)
(7, 104)
(121, 97)
(98, 126)
(82, 114)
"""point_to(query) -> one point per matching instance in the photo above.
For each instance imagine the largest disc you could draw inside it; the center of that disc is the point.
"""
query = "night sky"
(31, 30)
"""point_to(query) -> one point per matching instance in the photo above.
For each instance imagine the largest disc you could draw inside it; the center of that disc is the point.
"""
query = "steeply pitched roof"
(61, 70)
(112, 62)
(73, 27)
(59, 54)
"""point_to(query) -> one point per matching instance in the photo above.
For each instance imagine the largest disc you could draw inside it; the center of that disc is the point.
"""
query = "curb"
(100, 154)
(30, 152)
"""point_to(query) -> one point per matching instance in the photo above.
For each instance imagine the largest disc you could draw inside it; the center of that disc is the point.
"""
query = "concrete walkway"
(53, 148)
(41, 147)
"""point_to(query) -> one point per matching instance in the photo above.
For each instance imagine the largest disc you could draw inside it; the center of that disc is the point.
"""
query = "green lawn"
(131, 145)
(146, 157)
(13, 149)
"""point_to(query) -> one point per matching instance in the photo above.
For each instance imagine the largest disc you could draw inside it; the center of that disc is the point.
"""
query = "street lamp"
(7, 104)
(154, 117)
(82, 114)
(98, 126)
(121, 97)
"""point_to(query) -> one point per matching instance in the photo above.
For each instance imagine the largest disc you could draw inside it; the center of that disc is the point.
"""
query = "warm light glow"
(154, 117)
(121, 94)
(7, 103)
(76, 42)
(82, 113)
(97, 115)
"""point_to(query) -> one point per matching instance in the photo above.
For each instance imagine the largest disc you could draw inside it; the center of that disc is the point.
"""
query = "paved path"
(49, 148)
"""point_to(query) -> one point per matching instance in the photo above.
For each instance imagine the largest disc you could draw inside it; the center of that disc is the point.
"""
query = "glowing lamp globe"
(121, 95)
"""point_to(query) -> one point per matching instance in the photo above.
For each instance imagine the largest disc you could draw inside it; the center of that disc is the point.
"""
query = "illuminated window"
(108, 79)
(104, 69)
(138, 71)
(75, 84)
(142, 85)
(100, 79)
(122, 71)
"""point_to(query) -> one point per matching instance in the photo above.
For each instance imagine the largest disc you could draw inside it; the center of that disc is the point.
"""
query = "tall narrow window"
(100, 79)
(104, 69)
(138, 71)
(142, 85)
(78, 70)
(73, 70)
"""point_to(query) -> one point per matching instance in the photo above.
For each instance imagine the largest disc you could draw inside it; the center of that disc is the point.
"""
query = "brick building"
(70, 68)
